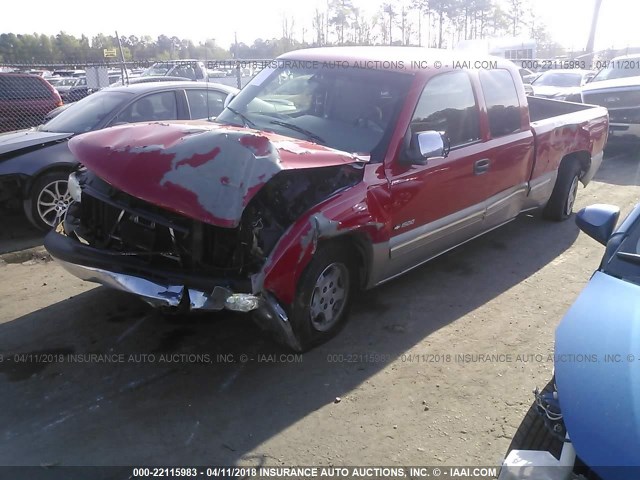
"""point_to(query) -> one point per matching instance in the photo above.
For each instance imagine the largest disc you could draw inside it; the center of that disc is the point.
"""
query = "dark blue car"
(587, 420)
(35, 163)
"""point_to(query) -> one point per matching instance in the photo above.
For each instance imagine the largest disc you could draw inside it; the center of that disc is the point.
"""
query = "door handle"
(481, 166)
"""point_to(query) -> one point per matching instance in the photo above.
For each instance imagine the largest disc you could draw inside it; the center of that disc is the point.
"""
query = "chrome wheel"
(329, 297)
(53, 201)
(571, 197)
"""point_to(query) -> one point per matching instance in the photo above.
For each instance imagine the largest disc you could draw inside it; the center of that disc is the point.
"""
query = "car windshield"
(625, 263)
(553, 79)
(157, 69)
(349, 109)
(619, 69)
(67, 82)
(86, 114)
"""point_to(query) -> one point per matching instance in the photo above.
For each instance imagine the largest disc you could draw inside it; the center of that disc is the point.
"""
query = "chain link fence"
(31, 94)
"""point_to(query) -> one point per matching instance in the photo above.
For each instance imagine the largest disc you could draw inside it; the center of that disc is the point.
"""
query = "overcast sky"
(567, 20)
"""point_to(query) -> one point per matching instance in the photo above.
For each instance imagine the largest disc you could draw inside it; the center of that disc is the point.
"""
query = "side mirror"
(425, 145)
(598, 221)
(227, 100)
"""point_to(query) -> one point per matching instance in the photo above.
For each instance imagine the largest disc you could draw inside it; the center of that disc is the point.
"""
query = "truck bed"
(565, 128)
(544, 108)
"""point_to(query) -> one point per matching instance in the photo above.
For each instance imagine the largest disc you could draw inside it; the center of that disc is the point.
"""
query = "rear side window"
(150, 108)
(501, 97)
(205, 103)
(447, 104)
(23, 88)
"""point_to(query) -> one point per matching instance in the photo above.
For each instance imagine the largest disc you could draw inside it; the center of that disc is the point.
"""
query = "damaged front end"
(178, 259)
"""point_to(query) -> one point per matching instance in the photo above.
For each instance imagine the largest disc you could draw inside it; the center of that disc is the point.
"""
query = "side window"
(157, 106)
(501, 97)
(447, 104)
(185, 71)
(205, 103)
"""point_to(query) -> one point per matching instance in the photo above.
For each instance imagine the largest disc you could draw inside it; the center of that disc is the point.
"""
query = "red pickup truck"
(334, 169)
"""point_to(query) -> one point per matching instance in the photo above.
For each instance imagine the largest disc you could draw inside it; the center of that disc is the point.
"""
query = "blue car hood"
(597, 368)
(14, 141)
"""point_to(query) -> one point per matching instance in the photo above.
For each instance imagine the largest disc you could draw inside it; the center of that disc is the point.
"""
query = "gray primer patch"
(223, 183)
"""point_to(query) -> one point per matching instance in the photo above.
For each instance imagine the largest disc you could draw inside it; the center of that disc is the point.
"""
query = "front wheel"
(324, 295)
(563, 197)
(48, 200)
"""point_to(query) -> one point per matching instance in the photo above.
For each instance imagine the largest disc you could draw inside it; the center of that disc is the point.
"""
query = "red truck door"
(509, 148)
(441, 203)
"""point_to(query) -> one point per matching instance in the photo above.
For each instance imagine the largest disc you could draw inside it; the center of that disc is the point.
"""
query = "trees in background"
(434, 23)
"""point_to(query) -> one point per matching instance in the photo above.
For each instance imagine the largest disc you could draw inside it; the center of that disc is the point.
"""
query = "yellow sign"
(110, 52)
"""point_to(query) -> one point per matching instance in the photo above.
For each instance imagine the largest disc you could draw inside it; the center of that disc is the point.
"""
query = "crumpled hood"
(14, 141)
(597, 369)
(206, 171)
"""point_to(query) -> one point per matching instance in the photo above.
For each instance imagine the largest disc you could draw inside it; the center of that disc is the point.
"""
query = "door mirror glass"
(430, 144)
(422, 146)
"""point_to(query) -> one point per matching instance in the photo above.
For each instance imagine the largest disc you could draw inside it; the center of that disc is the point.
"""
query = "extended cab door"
(509, 148)
(440, 204)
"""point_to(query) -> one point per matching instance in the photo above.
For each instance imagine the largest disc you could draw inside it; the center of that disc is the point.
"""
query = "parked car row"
(36, 163)
(616, 87)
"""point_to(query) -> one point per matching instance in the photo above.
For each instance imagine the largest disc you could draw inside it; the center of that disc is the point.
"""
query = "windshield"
(552, 79)
(619, 69)
(349, 109)
(86, 114)
(158, 69)
(67, 82)
(625, 262)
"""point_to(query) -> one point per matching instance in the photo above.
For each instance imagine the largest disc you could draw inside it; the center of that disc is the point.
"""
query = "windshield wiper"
(245, 121)
(301, 130)
(629, 257)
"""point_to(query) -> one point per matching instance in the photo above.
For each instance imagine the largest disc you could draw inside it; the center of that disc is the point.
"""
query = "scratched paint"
(205, 171)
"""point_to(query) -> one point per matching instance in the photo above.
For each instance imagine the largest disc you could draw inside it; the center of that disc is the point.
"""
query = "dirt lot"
(406, 398)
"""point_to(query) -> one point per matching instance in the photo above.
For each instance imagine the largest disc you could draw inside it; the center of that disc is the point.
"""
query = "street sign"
(110, 52)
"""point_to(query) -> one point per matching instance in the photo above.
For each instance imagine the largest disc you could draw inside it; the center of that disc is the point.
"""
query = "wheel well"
(583, 158)
(359, 245)
(26, 189)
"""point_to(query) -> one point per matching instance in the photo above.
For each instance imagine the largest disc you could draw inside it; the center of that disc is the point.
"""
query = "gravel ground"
(405, 383)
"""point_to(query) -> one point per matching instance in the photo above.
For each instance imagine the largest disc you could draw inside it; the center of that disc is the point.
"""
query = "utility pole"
(594, 25)
(235, 43)
(326, 37)
(420, 26)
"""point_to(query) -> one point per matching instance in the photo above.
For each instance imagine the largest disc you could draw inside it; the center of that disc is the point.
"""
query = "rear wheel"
(324, 295)
(563, 197)
(533, 433)
(48, 200)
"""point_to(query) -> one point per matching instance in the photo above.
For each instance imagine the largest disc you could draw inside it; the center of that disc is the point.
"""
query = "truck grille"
(133, 227)
(614, 98)
(624, 115)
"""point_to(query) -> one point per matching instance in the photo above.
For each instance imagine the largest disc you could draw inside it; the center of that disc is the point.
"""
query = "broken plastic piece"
(242, 302)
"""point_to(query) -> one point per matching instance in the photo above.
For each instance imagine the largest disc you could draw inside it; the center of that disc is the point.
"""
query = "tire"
(324, 295)
(48, 200)
(560, 204)
(533, 434)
